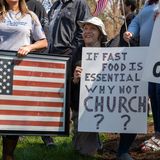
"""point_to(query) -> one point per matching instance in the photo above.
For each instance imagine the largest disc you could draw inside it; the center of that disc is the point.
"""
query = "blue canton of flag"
(6, 76)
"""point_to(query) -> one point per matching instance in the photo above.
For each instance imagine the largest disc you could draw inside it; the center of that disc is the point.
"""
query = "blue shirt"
(142, 24)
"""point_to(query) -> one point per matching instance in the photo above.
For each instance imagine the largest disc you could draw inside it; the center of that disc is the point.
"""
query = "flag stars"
(4, 73)
(4, 87)
(8, 91)
(9, 62)
(4, 80)
(1, 62)
(6, 68)
(8, 77)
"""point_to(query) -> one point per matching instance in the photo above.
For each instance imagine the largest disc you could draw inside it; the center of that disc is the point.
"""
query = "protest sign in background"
(112, 97)
(152, 66)
(33, 97)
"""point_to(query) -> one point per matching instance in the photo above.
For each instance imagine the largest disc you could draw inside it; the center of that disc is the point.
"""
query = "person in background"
(17, 24)
(47, 4)
(64, 31)
(65, 34)
(40, 11)
(128, 11)
(94, 35)
(142, 26)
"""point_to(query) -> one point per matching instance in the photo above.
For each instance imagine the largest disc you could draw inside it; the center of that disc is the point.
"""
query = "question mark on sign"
(127, 121)
(100, 120)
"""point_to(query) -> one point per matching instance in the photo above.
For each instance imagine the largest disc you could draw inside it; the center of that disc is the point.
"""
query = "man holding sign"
(142, 26)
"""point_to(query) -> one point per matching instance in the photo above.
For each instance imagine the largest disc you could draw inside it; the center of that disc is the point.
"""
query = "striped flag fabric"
(33, 94)
(100, 6)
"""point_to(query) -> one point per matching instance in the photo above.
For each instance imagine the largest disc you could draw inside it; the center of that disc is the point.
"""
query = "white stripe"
(31, 108)
(31, 118)
(30, 128)
(39, 69)
(39, 79)
(38, 58)
(30, 98)
(44, 89)
(48, 59)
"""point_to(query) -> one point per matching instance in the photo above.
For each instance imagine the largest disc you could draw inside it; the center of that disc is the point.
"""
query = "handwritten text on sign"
(112, 96)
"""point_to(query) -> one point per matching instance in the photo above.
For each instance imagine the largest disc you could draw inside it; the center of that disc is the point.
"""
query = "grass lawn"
(32, 148)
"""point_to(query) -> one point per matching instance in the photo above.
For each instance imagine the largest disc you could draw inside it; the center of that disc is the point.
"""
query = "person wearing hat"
(94, 35)
(142, 26)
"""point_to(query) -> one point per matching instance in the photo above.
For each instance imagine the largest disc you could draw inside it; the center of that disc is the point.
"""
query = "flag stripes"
(38, 74)
(33, 92)
(39, 64)
(31, 123)
(31, 108)
(31, 103)
(100, 6)
(42, 84)
(31, 113)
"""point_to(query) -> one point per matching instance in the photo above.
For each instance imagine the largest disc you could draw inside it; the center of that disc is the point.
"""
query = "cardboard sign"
(112, 96)
(152, 66)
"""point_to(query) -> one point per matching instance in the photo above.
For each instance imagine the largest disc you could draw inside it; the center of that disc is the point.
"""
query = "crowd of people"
(63, 27)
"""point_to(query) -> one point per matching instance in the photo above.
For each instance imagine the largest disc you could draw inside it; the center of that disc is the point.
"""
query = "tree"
(111, 16)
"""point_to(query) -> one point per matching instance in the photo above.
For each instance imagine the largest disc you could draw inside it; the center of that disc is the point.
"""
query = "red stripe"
(38, 84)
(31, 103)
(37, 94)
(31, 113)
(31, 123)
(40, 64)
(38, 74)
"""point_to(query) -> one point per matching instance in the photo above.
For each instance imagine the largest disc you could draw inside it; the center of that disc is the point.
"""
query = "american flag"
(32, 94)
(101, 4)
